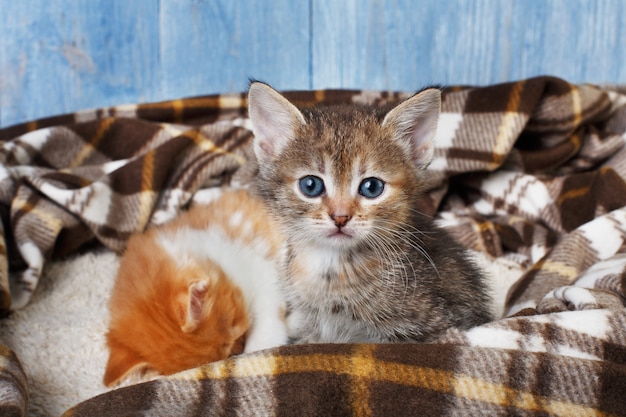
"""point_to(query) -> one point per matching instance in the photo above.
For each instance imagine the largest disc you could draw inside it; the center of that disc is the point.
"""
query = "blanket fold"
(379, 380)
(532, 172)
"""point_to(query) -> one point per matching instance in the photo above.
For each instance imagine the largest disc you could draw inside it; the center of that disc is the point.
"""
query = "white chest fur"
(325, 291)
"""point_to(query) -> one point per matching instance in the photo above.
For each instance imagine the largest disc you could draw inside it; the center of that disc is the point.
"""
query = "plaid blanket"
(531, 171)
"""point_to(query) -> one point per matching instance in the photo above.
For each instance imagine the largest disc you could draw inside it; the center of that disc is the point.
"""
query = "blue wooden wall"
(58, 56)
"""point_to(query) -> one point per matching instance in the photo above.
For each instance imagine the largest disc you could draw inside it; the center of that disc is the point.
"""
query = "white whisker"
(407, 236)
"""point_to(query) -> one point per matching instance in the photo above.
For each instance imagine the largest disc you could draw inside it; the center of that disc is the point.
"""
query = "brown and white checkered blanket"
(532, 171)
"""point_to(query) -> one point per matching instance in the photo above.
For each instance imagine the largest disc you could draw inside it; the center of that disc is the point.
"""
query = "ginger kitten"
(362, 264)
(196, 290)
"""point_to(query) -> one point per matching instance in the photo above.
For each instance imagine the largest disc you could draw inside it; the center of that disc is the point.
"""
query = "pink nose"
(340, 219)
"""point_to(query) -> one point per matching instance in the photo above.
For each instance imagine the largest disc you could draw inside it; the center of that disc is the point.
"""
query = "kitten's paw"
(266, 337)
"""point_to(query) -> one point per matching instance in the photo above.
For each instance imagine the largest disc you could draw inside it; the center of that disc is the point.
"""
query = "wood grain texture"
(65, 55)
(216, 46)
(407, 44)
(60, 56)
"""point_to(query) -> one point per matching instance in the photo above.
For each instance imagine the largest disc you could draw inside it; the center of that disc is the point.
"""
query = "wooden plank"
(580, 40)
(64, 55)
(406, 44)
(216, 46)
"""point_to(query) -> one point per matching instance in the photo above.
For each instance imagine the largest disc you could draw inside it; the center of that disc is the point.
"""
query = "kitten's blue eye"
(311, 186)
(371, 187)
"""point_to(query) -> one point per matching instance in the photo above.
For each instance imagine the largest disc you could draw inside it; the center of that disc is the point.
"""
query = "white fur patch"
(236, 218)
(207, 195)
(318, 259)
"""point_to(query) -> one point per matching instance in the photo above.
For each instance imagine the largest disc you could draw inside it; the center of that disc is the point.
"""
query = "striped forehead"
(342, 173)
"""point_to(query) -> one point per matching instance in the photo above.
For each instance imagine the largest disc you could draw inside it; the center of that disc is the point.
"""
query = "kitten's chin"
(339, 239)
(326, 238)
(339, 234)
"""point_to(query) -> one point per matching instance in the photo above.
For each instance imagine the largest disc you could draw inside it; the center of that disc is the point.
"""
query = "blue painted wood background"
(58, 56)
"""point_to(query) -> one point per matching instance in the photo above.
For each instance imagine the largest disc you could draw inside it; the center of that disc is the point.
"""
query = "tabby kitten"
(196, 290)
(362, 264)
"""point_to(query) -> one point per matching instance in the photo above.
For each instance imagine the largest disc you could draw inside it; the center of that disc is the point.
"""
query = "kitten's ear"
(274, 120)
(124, 364)
(414, 123)
(198, 305)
